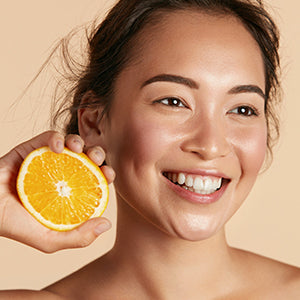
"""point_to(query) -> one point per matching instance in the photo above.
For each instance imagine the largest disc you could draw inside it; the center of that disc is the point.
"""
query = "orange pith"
(61, 190)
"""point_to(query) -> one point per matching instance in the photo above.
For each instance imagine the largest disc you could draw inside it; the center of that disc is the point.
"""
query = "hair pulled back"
(109, 50)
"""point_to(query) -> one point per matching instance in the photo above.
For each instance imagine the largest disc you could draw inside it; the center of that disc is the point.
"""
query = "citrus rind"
(81, 157)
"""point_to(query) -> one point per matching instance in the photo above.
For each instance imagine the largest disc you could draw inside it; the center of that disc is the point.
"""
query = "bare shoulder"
(271, 278)
(84, 283)
(100, 279)
(77, 285)
(258, 278)
(30, 295)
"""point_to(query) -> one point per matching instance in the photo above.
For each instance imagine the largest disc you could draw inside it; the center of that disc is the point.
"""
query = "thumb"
(79, 237)
(14, 158)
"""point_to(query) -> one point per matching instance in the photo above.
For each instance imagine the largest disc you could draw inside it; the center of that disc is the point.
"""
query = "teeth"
(208, 184)
(218, 183)
(198, 184)
(174, 177)
(189, 181)
(181, 178)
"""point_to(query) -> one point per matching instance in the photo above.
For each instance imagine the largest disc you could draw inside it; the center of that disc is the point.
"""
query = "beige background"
(268, 223)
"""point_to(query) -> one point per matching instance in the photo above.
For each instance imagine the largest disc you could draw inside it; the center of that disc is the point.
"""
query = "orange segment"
(61, 190)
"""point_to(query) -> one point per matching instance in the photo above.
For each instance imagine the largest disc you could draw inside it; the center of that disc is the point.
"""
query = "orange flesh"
(58, 195)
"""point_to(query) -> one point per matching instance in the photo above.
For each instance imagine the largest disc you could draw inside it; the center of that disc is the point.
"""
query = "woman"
(179, 95)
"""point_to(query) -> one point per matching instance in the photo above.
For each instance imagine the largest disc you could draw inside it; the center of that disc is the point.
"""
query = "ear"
(89, 121)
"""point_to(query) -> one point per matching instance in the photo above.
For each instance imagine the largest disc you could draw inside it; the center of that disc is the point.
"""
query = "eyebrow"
(247, 88)
(172, 78)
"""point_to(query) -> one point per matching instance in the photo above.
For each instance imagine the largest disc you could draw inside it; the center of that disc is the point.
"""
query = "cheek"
(145, 141)
(252, 148)
(137, 143)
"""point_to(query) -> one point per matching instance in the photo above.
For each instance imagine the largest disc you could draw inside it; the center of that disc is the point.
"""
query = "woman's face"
(186, 133)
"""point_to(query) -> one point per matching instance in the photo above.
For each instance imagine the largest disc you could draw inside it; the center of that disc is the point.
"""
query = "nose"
(208, 138)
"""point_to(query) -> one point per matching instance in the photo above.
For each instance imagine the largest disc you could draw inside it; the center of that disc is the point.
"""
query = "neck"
(164, 263)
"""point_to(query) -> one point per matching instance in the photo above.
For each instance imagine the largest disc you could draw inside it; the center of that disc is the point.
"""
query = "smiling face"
(186, 133)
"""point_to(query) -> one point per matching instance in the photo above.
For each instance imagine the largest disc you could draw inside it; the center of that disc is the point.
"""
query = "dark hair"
(109, 50)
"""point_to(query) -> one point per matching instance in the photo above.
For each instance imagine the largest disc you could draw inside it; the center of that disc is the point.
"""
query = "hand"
(17, 224)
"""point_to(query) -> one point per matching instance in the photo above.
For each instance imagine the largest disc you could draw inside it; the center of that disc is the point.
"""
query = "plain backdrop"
(268, 222)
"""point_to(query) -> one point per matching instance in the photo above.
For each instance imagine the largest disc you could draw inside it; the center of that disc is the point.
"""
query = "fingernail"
(99, 155)
(78, 145)
(76, 140)
(59, 145)
(102, 227)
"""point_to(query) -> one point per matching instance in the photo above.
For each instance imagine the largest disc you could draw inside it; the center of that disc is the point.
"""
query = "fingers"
(53, 139)
(22, 226)
(96, 154)
(56, 143)
(74, 142)
(49, 241)
(79, 237)
(109, 173)
(14, 158)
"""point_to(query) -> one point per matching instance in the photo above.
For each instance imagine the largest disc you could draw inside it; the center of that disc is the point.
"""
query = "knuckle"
(84, 243)
(70, 136)
(56, 135)
(48, 242)
(52, 134)
(48, 249)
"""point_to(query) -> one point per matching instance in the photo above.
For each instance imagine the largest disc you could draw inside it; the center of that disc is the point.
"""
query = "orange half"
(61, 190)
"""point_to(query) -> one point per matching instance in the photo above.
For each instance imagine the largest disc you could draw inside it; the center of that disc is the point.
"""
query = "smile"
(203, 185)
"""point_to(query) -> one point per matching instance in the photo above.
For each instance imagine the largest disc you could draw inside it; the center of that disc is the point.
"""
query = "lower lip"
(195, 197)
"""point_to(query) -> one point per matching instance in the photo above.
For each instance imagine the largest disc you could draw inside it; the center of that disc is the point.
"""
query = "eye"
(244, 110)
(171, 101)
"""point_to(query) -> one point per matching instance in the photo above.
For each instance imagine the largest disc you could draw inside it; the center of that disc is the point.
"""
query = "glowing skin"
(216, 127)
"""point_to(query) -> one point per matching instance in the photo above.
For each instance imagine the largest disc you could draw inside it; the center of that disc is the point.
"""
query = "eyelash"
(171, 101)
(245, 110)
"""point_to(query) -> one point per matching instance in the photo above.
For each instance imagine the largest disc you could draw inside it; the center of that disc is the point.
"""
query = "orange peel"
(61, 190)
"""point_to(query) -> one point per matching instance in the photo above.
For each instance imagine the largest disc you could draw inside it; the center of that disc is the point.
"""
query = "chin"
(195, 236)
(196, 229)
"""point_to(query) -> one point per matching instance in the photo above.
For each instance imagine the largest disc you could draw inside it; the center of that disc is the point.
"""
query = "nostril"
(207, 149)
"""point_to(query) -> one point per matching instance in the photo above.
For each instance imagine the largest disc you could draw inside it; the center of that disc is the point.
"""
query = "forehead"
(196, 24)
(184, 37)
